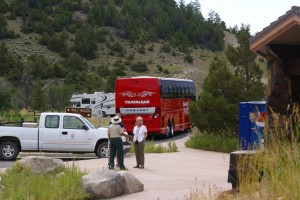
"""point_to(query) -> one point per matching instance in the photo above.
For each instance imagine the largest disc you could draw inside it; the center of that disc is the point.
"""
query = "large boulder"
(109, 183)
(132, 184)
(41, 164)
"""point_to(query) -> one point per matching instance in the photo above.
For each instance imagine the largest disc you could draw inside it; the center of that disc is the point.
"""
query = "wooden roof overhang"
(281, 38)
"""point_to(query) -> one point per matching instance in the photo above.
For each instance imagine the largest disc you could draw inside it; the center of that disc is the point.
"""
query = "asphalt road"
(85, 156)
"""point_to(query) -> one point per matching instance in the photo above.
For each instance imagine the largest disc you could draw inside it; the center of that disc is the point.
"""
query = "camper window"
(85, 101)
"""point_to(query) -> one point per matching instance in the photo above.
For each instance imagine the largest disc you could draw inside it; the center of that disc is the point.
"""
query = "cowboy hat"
(115, 120)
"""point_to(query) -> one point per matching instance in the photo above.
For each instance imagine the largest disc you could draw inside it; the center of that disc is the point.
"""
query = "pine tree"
(38, 96)
(244, 62)
(216, 107)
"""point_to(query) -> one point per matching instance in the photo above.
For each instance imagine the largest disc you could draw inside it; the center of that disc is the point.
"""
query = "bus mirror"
(155, 115)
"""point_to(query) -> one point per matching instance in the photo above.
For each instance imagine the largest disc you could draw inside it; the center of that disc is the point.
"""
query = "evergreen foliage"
(5, 100)
(59, 95)
(4, 32)
(75, 29)
(217, 105)
(85, 42)
(139, 67)
(38, 96)
(244, 62)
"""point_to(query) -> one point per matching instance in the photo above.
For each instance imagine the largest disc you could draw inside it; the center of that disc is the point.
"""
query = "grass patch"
(272, 173)
(21, 183)
(150, 147)
(212, 141)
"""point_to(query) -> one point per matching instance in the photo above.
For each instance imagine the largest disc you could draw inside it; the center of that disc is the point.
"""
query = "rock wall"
(279, 95)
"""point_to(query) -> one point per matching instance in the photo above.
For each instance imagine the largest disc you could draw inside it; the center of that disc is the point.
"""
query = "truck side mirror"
(85, 127)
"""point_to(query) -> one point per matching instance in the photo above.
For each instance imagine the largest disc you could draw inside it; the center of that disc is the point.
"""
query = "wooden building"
(279, 44)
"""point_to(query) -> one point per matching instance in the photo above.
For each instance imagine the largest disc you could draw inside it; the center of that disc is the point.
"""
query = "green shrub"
(165, 48)
(215, 141)
(188, 58)
(151, 48)
(159, 68)
(117, 47)
(141, 49)
(150, 147)
(130, 57)
(173, 53)
(139, 67)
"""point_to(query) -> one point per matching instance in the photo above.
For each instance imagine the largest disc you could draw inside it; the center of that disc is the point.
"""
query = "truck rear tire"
(102, 150)
(9, 150)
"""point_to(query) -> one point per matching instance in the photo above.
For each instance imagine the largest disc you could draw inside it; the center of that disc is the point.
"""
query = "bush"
(165, 48)
(150, 147)
(188, 58)
(220, 141)
(130, 57)
(159, 68)
(173, 53)
(139, 67)
(117, 47)
(151, 48)
(141, 50)
(5, 100)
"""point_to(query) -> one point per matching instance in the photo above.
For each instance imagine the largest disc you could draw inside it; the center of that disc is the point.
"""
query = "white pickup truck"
(55, 132)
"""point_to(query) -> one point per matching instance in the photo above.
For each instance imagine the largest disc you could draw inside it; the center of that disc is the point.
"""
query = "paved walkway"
(174, 176)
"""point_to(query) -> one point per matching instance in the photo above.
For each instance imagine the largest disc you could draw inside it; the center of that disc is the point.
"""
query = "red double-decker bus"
(162, 102)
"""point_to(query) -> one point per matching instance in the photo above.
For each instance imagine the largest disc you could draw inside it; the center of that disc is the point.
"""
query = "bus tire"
(9, 150)
(102, 150)
(170, 130)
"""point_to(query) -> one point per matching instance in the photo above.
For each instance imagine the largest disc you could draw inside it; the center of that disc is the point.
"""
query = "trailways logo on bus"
(133, 94)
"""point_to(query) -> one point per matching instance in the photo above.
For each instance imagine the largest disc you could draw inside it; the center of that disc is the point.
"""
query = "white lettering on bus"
(137, 110)
(138, 102)
(141, 110)
(133, 94)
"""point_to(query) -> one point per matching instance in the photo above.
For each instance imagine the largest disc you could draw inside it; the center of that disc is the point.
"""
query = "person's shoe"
(123, 168)
(111, 167)
(142, 167)
(136, 166)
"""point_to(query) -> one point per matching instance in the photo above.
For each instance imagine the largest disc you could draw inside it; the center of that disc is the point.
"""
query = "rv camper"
(102, 104)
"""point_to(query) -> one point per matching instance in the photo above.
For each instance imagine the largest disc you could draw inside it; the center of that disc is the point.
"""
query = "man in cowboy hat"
(115, 131)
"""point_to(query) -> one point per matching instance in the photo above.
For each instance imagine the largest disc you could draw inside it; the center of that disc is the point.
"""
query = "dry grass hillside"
(27, 44)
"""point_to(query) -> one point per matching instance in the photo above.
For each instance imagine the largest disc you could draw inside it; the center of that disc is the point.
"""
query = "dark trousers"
(139, 152)
(116, 147)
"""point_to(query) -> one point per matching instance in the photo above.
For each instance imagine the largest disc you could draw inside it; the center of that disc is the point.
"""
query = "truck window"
(71, 122)
(52, 121)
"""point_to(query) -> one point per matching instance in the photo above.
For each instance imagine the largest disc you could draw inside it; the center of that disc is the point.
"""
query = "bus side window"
(185, 88)
(163, 89)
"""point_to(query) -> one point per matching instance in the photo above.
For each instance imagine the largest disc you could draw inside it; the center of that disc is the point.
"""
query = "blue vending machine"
(252, 117)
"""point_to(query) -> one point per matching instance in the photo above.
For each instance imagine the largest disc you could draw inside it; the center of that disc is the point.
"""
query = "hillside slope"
(27, 44)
